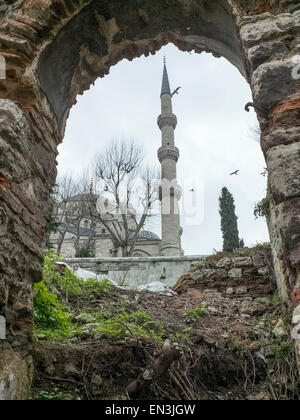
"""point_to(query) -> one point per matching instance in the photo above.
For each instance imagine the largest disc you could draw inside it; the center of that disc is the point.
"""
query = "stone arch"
(116, 32)
(141, 253)
(55, 49)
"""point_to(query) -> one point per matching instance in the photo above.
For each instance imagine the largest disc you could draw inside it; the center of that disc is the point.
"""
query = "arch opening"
(48, 65)
(123, 105)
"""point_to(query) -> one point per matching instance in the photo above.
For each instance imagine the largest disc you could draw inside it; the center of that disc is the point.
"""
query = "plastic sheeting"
(85, 274)
(157, 287)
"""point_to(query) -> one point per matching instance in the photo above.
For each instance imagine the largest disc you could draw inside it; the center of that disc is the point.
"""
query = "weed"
(193, 315)
(239, 347)
(136, 325)
(201, 263)
(262, 208)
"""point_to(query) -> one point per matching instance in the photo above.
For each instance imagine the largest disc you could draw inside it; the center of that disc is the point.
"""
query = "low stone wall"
(138, 270)
(251, 276)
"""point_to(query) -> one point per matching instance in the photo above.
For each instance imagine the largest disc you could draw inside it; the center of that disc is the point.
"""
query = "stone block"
(280, 330)
(284, 171)
(224, 263)
(263, 271)
(197, 275)
(242, 262)
(241, 290)
(258, 260)
(235, 273)
(296, 311)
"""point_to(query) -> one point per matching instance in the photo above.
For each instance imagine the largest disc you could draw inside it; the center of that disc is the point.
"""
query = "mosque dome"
(148, 236)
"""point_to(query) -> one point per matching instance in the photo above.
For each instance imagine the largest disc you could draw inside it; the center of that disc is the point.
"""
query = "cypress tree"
(229, 225)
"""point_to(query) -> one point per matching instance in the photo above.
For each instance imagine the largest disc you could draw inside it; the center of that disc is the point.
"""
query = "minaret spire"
(168, 155)
(165, 86)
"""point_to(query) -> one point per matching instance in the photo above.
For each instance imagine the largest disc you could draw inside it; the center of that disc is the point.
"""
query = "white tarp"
(85, 274)
(157, 287)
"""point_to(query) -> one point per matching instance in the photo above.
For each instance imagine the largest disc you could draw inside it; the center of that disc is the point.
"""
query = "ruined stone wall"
(55, 49)
(251, 276)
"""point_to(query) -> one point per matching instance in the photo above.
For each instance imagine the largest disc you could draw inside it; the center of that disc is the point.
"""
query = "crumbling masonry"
(55, 49)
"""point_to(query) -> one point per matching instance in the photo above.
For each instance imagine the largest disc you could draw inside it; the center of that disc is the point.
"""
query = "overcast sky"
(213, 134)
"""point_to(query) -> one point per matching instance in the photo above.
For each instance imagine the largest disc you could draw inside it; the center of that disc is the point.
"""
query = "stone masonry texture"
(55, 49)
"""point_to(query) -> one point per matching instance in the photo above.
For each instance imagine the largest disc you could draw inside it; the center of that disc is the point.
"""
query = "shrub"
(68, 283)
(49, 313)
(262, 208)
(51, 320)
(83, 253)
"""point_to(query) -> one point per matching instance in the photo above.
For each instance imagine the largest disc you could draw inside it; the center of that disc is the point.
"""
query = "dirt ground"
(228, 349)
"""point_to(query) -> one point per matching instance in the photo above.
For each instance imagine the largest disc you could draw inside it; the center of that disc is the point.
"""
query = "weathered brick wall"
(55, 49)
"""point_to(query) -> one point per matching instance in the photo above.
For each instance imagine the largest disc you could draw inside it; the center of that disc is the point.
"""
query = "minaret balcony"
(169, 120)
(167, 190)
(168, 152)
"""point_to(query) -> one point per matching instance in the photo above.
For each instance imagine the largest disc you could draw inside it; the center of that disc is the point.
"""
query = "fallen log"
(157, 368)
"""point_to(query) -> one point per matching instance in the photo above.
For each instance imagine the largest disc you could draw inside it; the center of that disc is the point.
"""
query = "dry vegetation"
(224, 348)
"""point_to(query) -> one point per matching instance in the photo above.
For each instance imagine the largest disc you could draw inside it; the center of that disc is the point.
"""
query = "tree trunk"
(60, 242)
(158, 367)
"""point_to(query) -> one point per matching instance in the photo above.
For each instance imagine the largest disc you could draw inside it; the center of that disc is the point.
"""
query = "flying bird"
(192, 190)
(176, 91)
(235, 173)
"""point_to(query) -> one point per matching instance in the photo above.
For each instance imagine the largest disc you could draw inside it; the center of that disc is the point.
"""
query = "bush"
(50, 317)
(49, 313)
(83, 253)
(68, 283)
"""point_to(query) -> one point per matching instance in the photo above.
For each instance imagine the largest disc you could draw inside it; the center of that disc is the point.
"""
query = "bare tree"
(70, 209)
(123, 195)
(255, 133)
(63, 194)
(116, 191)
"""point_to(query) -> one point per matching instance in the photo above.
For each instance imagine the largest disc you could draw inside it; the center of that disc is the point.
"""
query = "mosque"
(96, 237)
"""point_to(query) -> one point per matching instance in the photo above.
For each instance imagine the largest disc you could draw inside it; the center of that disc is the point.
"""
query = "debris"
(279, 330)
(157, 287)
(157, 368)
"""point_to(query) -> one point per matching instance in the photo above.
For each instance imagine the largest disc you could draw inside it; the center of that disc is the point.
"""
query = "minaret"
(170, 192)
